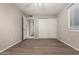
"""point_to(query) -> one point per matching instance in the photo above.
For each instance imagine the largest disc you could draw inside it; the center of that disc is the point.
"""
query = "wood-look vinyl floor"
(40, 47)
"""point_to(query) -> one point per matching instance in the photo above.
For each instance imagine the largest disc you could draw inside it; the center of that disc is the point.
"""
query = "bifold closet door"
(47, 28)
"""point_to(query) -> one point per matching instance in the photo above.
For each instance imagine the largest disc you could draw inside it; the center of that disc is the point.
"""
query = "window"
(74, 17)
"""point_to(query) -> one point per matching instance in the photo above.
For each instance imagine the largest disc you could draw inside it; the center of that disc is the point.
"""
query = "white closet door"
(47, 28)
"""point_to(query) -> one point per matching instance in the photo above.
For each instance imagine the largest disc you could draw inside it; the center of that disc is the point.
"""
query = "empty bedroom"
(39, 28)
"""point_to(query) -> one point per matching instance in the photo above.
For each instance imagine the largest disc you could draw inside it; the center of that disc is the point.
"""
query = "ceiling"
(41, 9)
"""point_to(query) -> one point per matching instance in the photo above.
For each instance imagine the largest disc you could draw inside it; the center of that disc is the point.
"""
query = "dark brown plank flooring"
(40, 47)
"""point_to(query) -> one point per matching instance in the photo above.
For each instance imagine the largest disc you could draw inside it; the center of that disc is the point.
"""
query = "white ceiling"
(44, 9)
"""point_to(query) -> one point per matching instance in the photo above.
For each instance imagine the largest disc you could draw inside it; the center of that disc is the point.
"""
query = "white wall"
(64, 34)
(47, 28)
(10, 26)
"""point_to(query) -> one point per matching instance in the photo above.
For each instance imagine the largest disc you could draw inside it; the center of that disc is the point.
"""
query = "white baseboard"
(69, 45)
(41, 38)
(10, 46)
(47, 38)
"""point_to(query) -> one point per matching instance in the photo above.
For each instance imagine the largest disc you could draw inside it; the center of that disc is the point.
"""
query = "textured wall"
(64, 34)
(10, 25)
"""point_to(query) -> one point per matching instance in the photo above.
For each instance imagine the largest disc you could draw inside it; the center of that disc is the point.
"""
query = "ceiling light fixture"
(34, 4)
(37, 4)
